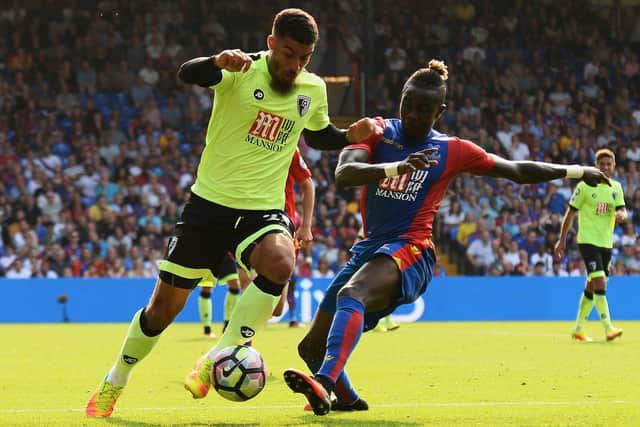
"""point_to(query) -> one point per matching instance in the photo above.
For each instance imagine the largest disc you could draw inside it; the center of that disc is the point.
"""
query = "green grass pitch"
(439, 374)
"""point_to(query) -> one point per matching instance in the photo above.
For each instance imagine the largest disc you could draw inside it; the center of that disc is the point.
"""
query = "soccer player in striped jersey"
(405, 174)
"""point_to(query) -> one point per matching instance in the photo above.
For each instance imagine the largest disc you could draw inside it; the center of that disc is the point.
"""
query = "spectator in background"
(50, 204)
(543, 257)
(18, 270)
(395, 56)
(480, 253)
(467, 227)
(558, 269)
(539, 269)
(323, 271)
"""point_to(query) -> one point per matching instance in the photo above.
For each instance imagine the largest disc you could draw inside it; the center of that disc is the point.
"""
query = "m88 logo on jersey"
(409, 182)
(602, 208)
(395, 183)
(271, 127)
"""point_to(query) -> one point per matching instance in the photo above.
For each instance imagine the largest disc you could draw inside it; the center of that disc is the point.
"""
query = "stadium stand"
(99, 141)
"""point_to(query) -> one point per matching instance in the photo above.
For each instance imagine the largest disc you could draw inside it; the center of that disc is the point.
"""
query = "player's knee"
(279, 268)
(351, 290)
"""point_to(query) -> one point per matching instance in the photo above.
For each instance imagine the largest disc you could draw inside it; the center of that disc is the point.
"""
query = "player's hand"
(418, 160)
(593, 176)
(621, 216)
(558, 250)
(304, 237)
(363, 129)
(233, 60)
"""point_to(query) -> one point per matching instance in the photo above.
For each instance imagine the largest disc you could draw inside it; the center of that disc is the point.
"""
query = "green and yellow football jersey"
(596, 212)
(252, 135)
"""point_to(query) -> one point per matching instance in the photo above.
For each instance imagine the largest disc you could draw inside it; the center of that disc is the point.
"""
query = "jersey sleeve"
(577, 198)
(299, 169)
(319, 108)
(370, 143)
(471, 157)
(228, 78)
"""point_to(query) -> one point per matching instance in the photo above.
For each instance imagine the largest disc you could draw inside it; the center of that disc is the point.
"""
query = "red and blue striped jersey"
(404, 206)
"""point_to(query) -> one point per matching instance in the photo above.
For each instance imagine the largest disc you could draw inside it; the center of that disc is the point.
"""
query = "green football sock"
(584, 309)
(230, 302)
(135, 347)
(253, 309)
(204, 307)
(602, 307)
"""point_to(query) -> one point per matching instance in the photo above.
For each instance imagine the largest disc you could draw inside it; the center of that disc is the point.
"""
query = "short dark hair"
(297, 24)
(433, 77)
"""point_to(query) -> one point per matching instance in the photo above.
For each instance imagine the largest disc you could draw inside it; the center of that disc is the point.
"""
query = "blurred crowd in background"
(99, 141)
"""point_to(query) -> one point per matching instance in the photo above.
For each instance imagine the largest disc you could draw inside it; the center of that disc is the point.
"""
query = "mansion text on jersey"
(390, 194)
(271, 146)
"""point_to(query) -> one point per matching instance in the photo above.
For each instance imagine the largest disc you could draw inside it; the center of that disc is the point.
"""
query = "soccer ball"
(238, 373)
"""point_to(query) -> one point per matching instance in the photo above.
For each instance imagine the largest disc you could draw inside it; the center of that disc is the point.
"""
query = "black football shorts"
(207, 232)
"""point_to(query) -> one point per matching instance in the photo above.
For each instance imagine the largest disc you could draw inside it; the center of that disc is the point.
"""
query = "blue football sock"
(344, 391)
(344, 335)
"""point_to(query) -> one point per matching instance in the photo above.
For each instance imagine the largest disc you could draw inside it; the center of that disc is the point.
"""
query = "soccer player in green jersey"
(263, 102)
(599, 208)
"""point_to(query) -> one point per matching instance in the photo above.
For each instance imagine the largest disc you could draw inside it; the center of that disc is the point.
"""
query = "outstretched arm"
(332, 138)
(534, 172)
(354, 169)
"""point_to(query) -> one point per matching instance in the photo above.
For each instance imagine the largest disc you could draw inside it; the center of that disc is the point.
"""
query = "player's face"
(419, 110)
(606, 165)
(287, 60)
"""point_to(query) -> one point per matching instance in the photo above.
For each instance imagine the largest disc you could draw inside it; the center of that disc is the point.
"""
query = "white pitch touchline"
(525, 334)
(383, 405)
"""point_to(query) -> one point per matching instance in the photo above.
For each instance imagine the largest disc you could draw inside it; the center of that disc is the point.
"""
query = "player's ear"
(441, 109)
(270, 41)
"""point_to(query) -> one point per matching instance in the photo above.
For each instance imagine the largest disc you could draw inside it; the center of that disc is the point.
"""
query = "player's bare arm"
(567, 220)
(304, 236)
(206, 71)
(525, 172)
(333, 138)
(353, 168)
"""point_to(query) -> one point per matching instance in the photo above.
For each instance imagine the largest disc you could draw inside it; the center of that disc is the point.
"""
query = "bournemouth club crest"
(303, 104)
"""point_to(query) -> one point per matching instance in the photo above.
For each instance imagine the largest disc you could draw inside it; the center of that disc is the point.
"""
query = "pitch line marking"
(524, 334)
(383, 405)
